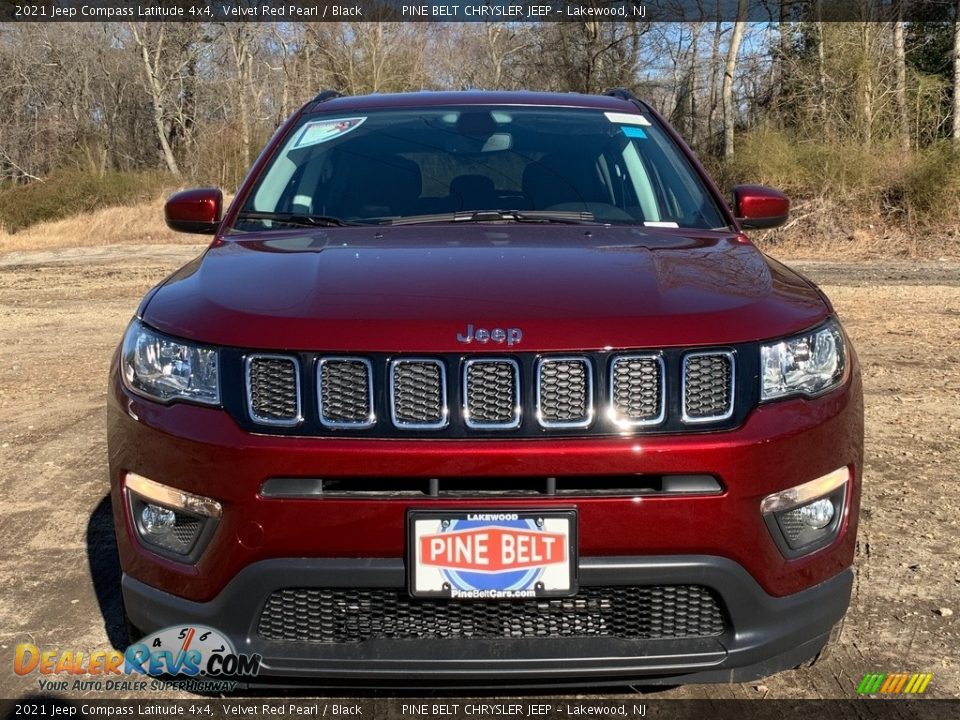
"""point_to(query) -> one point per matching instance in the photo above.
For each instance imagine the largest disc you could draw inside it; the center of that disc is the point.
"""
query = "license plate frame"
(427, 578)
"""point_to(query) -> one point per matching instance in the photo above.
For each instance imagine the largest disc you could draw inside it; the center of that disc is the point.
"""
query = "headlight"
(807, 364)
(165, 369)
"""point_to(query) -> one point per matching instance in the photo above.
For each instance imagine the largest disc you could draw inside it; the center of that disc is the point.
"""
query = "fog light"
(817, 515)
(171, 522)
(807, 517)
(157, 520)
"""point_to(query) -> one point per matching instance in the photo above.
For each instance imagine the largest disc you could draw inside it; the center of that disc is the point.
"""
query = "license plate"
(490, 555)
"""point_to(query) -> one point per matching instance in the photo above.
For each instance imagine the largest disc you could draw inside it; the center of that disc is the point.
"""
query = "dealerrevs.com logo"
(194, 657)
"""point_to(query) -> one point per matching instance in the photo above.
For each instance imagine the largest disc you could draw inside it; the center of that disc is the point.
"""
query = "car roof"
(473, 97)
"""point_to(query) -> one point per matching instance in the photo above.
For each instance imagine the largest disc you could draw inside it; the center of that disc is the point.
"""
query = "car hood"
(416, 288)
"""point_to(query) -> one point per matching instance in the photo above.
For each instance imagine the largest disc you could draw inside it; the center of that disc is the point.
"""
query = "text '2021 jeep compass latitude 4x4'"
(487, 388)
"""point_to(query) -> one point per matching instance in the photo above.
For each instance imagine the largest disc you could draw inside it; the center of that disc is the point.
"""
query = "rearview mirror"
(758, 207)
(194, 211)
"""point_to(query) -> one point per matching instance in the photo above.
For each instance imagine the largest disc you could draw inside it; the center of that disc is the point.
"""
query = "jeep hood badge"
(511, 335)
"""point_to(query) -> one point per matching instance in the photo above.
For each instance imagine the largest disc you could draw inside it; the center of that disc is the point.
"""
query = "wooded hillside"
(850, 117)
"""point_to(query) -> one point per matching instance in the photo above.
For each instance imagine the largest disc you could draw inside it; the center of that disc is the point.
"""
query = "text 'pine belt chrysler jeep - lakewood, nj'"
(481, 388)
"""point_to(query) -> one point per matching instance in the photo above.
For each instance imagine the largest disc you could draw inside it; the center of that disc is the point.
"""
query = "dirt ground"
(62, 312)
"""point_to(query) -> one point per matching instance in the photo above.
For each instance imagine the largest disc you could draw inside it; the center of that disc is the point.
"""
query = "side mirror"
(194, 211)
(758, 207)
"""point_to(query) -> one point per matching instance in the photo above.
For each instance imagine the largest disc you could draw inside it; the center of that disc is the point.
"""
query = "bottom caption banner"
(450, 708)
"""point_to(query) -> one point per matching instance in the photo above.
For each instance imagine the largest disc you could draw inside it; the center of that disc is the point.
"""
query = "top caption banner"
(465, 11)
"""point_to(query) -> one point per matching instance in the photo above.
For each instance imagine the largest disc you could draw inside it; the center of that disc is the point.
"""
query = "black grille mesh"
(707, 391)
(418, 393)
(637, 386)
(345, 392)
(564, 391)
(491, 392)
(584, 391)
(272, 389)
(356, 615)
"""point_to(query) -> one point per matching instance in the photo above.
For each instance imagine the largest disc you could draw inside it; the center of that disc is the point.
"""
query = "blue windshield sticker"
(634, 132)
(322, 131)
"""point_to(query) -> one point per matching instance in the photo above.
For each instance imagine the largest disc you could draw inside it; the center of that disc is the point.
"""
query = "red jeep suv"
(487, 388)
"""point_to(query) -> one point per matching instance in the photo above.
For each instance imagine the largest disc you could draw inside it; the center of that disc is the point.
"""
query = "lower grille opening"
(569, 486)
(631, 612)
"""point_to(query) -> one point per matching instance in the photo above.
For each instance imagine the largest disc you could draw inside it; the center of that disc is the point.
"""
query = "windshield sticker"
(656, 223)
(627, 119)
(634, 132)
(323, 131)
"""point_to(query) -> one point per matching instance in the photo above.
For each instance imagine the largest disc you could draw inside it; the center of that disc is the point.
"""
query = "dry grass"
(818, 229)
(822, 229)
(134, 224)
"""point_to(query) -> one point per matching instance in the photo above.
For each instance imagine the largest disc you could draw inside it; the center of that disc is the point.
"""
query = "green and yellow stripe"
(894, 683)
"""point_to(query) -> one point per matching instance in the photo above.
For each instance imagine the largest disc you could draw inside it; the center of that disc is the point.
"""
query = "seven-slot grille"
(273, 389)
(493, 394)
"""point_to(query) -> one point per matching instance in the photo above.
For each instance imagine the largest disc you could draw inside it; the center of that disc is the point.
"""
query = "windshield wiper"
(566, 217)
(297, 219)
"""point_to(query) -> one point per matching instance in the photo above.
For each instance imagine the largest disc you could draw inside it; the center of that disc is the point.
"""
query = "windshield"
(479, 163)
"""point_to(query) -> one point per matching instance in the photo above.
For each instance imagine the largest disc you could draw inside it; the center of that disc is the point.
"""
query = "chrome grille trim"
(625, 422)
(473, 424)
(731, 386)
(588, 392)
(444, 403)
(266, 420)
(371, 419)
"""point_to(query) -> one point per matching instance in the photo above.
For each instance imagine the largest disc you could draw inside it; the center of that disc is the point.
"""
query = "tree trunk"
(866, 103)
(780, 63)
(714, 67)
(691, 109)
(240, 44)
(155, 89)
(729, 112)
(821, 69)
(900, 60)
(956, 75)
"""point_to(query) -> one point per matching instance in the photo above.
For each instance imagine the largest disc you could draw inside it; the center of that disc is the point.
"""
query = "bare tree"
(242, 37)
(488, 55)
(956, 74)
(900, 67)
(714, 65)
(821, 64)
(586, 57)
(372, 57)
(157, 83)
(729, 111)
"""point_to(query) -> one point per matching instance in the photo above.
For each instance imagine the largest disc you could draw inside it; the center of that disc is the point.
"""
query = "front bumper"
(780, 611)
(202, 450)
(763, 635)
